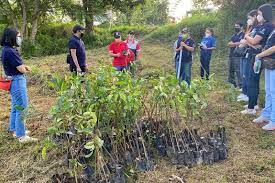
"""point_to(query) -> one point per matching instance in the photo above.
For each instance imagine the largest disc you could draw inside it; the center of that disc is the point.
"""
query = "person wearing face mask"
(256, 44)
(118, 49)
(185, 47)
(252, 28)
(268, 113)
(134, 46)
(15, 68)
(77, 52)
(207, 45)
(235, 60)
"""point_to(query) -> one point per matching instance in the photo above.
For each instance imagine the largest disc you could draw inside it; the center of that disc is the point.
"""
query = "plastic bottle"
(257, 65)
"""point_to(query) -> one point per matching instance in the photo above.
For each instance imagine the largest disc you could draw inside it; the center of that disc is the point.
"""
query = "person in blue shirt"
(268, 113)
(256, 44)
(77, 52)
(235, 60)
(252, 28)
(207, 45)
(184, 50)
(15, 69)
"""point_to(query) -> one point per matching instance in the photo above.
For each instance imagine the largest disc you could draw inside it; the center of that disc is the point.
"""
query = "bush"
(196, 24)
(53, 38)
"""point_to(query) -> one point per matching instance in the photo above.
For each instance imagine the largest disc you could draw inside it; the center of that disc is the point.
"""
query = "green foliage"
(196, 24)
(53, 38)
(107, 103)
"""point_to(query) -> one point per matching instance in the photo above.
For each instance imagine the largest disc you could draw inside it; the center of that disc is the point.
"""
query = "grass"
(251, 151)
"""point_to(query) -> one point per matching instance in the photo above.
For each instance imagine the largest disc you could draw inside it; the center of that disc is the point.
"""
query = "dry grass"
(251, 151)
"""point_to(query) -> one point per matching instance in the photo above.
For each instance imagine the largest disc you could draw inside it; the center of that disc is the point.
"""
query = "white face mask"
(19, 41)
(260, 18)
(207, 35)
(249, 22)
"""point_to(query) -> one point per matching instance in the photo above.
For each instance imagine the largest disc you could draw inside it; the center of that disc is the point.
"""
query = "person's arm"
(189, 48)
(23, 69)
(253, 41)
(74, 57)
(112, 54)
(267, 52)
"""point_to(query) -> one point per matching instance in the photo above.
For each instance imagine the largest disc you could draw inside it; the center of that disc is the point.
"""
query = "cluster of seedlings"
(110, 126)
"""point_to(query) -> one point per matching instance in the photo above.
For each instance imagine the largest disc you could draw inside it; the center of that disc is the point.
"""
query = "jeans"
(19, 100)
(269, 110)
(205, 65)
(185, 71)
(253, 86)
(121, 68)
(234, 68)
(245, 75)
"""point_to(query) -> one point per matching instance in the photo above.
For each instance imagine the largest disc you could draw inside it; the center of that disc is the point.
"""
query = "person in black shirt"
(256, 44)
(234, 60)
(77, 53)
(184, 50)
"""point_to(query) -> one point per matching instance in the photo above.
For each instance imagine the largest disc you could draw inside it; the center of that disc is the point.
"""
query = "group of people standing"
(251, 52)
(125, 55)
(248, 49)
(184, 48)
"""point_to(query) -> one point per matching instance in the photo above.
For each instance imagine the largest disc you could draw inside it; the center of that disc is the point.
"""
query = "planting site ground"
(251, 151)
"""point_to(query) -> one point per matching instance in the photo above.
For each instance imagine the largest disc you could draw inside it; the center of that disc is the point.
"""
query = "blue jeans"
(205, 65)
(19, 100)
(269, 110)
(121, 68)
(253, 85)
(245, 74)
(185, 71)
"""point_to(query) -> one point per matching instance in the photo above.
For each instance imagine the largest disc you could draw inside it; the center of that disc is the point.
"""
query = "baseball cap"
(78, 28)
(117, 35)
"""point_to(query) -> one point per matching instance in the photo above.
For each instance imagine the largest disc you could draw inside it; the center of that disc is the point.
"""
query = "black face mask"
(237, 30)
(82, 34)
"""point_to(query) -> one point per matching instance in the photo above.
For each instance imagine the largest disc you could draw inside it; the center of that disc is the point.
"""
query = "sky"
(178, 8)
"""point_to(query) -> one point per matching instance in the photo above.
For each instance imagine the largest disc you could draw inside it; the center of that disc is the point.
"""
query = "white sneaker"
(249, 111)
(241, 90)
(269, 127)
(260, 120)
(244, 99)
(241, 96)
(256, 107)
(27, 139)
(27, 132)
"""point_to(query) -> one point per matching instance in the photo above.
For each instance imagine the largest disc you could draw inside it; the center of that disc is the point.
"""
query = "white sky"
(178, 8)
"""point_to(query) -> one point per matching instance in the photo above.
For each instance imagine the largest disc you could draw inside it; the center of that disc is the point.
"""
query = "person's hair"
(239, 23)
(211, 30)
(9, 37)
(252, 13)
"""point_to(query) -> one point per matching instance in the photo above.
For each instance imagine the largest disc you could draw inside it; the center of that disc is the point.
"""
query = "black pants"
(253, 86)
(205, 65)
(73, 68)
(234, 70)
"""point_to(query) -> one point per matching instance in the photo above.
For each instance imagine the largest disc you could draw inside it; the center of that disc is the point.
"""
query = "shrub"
(196, 24)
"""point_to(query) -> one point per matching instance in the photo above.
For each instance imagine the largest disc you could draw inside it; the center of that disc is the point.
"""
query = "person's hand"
(78, 69)
(183, 44)
(28, 68)
(204, 47)
(118, 54)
